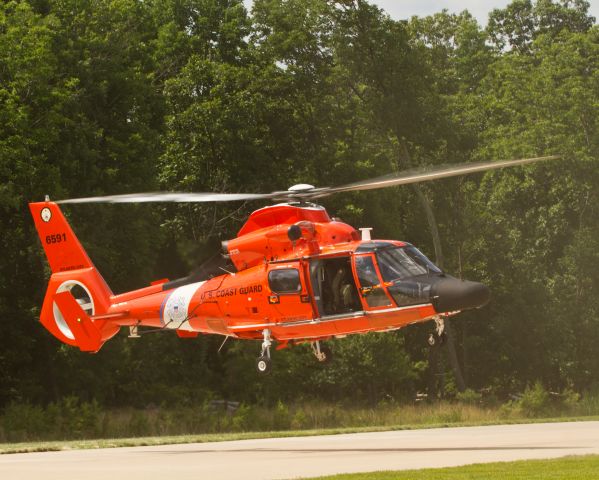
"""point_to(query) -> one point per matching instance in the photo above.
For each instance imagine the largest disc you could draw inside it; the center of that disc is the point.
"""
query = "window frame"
(286, 292)
(381, 285)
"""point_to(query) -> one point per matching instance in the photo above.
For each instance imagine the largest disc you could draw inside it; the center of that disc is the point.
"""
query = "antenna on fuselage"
(366, 236)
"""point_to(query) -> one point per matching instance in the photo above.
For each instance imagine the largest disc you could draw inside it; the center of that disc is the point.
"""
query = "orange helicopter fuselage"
(299, 274)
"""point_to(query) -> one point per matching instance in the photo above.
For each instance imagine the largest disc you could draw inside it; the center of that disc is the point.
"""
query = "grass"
(567, 468)
(28, 447)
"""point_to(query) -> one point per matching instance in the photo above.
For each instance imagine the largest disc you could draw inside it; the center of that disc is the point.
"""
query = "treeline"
(121, 96)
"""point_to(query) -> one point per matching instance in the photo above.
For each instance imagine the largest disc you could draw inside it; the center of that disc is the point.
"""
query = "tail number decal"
(56, 238)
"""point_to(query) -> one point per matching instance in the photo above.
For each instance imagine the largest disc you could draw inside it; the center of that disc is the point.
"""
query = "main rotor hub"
(301, 187)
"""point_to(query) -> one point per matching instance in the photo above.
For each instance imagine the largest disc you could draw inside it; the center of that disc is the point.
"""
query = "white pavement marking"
(287, 458)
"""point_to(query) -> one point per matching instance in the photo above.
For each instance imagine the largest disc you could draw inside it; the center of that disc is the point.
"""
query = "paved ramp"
(287, 458)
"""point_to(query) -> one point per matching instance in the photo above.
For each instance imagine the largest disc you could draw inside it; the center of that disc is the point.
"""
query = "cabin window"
(286, 280)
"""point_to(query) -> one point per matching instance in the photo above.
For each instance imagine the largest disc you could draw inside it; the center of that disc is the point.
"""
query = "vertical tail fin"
(69, 317)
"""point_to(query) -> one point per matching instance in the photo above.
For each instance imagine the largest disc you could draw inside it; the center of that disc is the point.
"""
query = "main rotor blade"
(425, 175)
(403, 178)
(170, 197)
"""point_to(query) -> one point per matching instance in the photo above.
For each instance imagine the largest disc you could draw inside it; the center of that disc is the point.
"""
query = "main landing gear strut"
(322, 352)
(264, 363)
(439, 336)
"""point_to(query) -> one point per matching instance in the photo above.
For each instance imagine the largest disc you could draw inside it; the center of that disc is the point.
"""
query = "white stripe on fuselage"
(176, 309)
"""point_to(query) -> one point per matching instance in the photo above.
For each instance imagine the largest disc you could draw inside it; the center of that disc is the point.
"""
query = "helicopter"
(295, 275)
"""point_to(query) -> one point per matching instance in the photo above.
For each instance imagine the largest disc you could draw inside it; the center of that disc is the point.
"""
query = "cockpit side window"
(370, 284)
(366, 272)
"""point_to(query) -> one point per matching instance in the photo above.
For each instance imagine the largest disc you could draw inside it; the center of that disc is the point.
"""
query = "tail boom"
(79, 308)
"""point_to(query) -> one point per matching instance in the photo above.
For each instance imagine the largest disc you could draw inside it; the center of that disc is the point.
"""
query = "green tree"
(533, 219)
(522, 21)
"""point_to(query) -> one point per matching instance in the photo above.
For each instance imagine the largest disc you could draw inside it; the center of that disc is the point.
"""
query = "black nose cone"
(451, 294)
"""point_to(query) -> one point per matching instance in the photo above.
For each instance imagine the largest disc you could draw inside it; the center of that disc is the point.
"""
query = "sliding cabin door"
(288, 292)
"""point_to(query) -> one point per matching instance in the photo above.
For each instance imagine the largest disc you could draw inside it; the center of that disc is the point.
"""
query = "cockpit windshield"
(399, 263)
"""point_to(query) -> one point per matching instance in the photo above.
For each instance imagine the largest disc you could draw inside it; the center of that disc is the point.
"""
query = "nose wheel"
(434, 339)
(263, 362)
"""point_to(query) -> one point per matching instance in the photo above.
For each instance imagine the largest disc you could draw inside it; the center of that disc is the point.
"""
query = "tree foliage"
(116, 96)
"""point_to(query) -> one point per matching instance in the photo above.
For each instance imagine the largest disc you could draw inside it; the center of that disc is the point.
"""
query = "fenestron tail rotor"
(305, 192)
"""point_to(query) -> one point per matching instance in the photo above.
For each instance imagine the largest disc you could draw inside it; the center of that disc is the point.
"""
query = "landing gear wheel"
(432, 340)
(263, 365)
(442, 339)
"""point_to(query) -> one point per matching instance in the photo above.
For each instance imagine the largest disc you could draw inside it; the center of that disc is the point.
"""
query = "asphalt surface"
(288, 458)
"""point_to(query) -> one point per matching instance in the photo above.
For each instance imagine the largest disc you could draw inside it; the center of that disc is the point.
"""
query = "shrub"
(71, 418)
(138, 424)
(22, 421)
(569, 399)
(281, 417)
(469, 397)
(535, 401)
(299, 420)
(243, 418)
